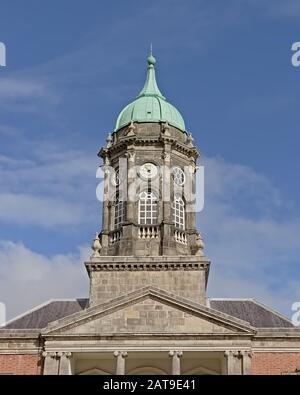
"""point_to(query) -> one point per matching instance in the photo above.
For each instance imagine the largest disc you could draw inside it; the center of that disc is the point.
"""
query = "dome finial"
(151, 59)
(150, 105)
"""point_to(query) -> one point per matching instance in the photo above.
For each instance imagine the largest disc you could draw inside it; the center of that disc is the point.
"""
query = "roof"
(150, 105)
(249, 310)
(40, 316)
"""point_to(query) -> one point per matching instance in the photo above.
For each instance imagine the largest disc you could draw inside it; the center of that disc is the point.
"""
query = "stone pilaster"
(233, 362)
(105, 211)
(51, 363)
(175, 355)
(246, 362)
(112, 206)
(130, 204)
(120, 362)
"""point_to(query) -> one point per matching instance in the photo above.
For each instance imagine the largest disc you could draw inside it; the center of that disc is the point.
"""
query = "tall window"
(120, 205)
(179, 213)
(148, 208)
(119, 212)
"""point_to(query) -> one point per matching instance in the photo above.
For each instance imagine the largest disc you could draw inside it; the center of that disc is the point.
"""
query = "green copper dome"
(150, 105)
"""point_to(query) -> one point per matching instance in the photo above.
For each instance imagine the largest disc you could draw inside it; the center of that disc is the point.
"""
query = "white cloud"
(254, 251)
(28, 278)
(23, 209)
(57, 189)
(22, 88)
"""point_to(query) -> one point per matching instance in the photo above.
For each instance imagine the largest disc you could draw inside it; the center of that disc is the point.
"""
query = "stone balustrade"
(180, 236)
(148, 232)
(115, 237)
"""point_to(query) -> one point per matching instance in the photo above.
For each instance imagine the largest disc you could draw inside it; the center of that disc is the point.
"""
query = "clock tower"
(149, 234)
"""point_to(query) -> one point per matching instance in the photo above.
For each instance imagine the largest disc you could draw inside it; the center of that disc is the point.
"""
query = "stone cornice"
(18, 334)
(284, 333)
(95, 266)
(149, 263)
(123, 143)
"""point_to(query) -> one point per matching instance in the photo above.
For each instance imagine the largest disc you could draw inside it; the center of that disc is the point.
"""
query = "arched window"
(179, 213)
(148, 208)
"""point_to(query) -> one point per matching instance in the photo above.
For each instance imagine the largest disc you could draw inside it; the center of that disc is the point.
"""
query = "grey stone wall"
(149, 316)
(106, 285)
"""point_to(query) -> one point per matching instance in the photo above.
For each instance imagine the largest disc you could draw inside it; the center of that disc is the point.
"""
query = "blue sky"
(73, 65)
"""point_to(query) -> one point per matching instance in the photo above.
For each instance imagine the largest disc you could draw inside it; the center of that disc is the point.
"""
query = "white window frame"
(179, 213)
(148, 208)
(178, 176)
(119, 213)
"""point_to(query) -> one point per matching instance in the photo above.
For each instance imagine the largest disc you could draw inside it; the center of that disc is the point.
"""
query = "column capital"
(130, 155)
(49, 354)
(247, 353)
(232, 353)
(176, 353)
(66, 354)
(122, 354)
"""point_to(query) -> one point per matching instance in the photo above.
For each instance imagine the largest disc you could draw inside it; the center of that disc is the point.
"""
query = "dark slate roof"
(251, 311)
(50, 311)
(258, 315)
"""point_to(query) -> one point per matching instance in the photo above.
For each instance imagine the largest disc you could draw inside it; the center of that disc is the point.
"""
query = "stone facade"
(165, 147)
(115, 276)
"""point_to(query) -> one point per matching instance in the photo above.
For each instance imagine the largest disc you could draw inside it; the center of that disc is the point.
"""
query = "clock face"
(178, 176)
(148, 170)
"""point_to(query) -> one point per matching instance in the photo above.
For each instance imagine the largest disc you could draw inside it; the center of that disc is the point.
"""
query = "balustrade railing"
(180, 236)
(148, 232)
(115, 236)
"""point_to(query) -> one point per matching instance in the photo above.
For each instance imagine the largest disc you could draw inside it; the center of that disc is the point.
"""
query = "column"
(168, 241)
(176, 355)
(247, 360)
(51, 362)
(130, 186)
(166, 185)
(234, 362)
(120, 362)
(65, 363)
(106, 201)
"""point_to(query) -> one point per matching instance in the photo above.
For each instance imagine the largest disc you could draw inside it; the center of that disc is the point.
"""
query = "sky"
(73, 65)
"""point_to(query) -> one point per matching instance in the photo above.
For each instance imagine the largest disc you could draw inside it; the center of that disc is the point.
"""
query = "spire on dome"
(150, 105)
(150, 88)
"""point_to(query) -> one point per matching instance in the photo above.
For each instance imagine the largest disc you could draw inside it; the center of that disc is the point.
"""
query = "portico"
(173, 362)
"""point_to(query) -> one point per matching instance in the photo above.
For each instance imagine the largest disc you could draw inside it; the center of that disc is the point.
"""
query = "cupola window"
(148, 208)
(179, 213)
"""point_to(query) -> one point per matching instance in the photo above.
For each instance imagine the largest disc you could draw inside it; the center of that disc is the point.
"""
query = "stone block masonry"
(112, 277)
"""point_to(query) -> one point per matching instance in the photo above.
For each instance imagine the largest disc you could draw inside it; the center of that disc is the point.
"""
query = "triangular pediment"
(147, 311)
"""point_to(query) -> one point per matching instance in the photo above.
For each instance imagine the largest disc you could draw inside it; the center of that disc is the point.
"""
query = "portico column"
(246, 355)
(120, 365)
(176, 355)
(65, 363)
(234, 362)
(50, 363)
